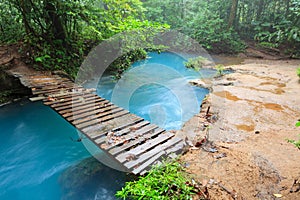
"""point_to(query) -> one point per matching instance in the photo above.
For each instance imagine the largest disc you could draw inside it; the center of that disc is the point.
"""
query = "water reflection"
(90, 179)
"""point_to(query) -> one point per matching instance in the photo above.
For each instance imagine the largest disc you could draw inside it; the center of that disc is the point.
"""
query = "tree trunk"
(261, 6)
(287, 11)
(55, 21)
(233, 11)
(24, 12)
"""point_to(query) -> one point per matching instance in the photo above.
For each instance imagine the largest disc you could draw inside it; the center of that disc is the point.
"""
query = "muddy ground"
(252, 113)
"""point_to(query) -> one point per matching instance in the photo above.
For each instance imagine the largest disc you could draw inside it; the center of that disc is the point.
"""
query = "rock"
(200, 83)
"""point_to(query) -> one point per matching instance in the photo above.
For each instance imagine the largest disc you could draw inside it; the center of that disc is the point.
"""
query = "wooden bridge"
(132, 142)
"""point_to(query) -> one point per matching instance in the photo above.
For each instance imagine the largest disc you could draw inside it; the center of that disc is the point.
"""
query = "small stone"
(257, 132)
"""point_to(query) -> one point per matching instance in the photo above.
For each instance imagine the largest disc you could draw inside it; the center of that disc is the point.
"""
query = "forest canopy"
(58, 34)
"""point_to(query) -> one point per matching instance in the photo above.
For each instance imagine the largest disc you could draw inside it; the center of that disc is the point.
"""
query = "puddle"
(243, 127)
(280, 85)
(273, 106)
(227, 95)
(275, 91)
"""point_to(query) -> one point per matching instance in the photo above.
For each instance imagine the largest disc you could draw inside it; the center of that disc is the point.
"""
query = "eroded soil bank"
(256, 108)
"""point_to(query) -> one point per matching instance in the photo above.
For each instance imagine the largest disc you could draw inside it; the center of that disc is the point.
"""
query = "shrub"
(167, 181)
(296, 142)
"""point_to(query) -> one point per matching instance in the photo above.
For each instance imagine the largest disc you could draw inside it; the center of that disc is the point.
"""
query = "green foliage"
(5, 96)
(122, 63)
(167, 181)
(220, 70)
(268, 45)
(195, 63)
(273, 23)
(11, 29)
(295, 142)
(282, 28)
(58, 34)
(298, 72)
(200, 20)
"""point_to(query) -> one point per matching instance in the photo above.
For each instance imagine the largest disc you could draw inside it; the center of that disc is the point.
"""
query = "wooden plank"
(61, 92)
(107, 110)
(143, 127)
(112, 124)
(74, 100)
(99, 130)
(61, 85)
(131, 144)
(58, 89)
(81, 102)
(75, 91)
(175, 150)
(53, 93)
(67, 97)
(36, 98)
(171, 152)
(97, 120)
(133, 136)
(40, 84)
(119, 114)
(98, 116)
(134, 121)
(67, 88)
(157, 163)
(146, 156)
(140, 168)
(144, 147)
(40, 89)
(85, 108)
(74, 107)
(60, 95)
(133, 128)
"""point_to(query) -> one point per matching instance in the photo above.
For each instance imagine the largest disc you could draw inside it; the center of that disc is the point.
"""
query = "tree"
(233, 12)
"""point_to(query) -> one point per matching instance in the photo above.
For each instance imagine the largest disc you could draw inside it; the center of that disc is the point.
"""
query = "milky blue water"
(157, 89)
(39, 159)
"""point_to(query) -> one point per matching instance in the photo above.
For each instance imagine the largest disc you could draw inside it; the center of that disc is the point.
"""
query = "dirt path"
(257, 108)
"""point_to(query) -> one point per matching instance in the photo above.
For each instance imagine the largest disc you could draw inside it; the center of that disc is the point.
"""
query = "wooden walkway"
(131, 141)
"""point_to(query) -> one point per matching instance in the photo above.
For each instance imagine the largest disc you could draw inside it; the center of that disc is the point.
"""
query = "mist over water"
(38, 159)
(157, 89)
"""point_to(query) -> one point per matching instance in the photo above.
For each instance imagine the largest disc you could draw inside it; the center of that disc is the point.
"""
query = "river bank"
(257, 107)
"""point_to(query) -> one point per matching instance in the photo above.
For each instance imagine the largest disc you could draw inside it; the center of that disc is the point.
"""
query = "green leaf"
(298, 124)
(38, 59)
